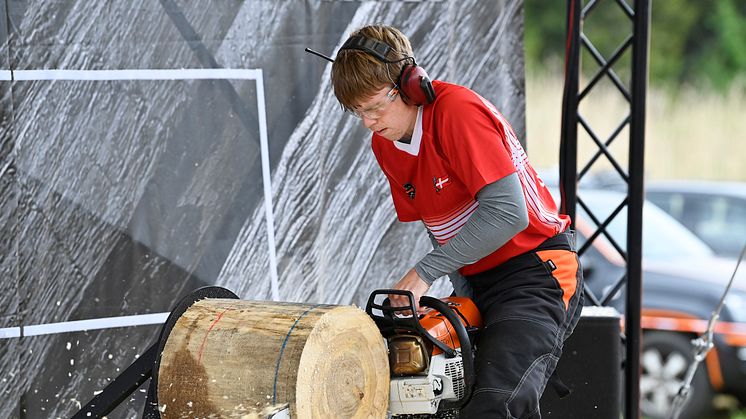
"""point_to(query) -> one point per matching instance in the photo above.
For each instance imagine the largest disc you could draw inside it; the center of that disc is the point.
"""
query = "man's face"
(386, 114)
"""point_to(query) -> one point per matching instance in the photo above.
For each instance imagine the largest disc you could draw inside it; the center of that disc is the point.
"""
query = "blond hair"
(357, 75)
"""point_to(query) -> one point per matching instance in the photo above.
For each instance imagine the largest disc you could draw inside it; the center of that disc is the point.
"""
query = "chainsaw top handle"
(389, 323)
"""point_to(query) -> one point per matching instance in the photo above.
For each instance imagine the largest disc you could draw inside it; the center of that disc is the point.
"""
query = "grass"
(690, 134)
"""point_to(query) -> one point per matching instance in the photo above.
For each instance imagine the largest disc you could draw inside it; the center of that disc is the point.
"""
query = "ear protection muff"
(414, 84)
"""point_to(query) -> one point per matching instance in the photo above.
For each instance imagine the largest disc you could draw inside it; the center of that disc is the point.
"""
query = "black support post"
(641, 25)
(568, 161)
(577, 13)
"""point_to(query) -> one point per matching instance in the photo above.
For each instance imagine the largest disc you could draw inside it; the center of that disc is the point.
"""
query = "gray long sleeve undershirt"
(501, 215)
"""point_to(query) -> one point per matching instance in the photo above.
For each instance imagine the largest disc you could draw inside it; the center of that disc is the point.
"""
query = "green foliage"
(544, 32)
(671, 22)
(692, 41)
(725, 57)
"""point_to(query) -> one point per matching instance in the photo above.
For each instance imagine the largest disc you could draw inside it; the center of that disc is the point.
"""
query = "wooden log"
(235, 358)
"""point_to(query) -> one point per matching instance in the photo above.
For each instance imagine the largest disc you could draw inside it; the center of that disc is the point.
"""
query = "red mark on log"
(204, 339)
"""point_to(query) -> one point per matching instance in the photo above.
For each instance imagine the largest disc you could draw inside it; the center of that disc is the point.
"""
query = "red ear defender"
(415, 86)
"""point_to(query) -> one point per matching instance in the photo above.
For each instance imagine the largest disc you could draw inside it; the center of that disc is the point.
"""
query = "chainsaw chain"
(446, 414)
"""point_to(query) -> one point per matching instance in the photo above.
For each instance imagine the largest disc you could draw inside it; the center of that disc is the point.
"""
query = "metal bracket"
(146, 366)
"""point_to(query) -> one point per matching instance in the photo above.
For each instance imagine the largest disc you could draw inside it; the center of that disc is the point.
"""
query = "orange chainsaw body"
(437, 325)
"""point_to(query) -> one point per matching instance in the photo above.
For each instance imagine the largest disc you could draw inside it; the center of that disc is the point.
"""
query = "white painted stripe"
(267, 180)
(136, 74)
(10, 332)
(162, 74)
(82, 325)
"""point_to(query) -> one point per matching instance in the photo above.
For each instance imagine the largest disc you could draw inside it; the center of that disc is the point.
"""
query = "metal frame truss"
(634, 94)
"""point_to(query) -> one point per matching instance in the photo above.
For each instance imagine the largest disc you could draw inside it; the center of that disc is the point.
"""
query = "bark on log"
(234, 358)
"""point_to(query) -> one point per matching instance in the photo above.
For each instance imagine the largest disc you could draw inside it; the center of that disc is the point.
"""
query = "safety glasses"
(376, 111)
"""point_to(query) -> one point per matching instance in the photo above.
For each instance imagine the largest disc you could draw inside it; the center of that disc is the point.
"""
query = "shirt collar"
(413, 147)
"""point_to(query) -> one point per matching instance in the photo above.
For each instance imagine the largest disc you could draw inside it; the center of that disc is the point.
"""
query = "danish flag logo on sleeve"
(440, 182)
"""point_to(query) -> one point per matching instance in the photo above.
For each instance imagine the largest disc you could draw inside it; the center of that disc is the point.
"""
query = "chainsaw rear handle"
(389, 322)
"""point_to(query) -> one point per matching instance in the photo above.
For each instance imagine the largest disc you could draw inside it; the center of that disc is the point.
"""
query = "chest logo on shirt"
(440, 183)
(409, 190)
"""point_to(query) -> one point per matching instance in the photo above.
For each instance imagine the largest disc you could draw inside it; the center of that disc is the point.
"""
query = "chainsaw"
(431, 358)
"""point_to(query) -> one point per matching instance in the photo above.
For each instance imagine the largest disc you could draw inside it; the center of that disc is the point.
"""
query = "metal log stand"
(146, 366)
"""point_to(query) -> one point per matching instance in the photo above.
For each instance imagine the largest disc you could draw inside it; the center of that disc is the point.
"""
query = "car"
(714, 211)
(683, 281)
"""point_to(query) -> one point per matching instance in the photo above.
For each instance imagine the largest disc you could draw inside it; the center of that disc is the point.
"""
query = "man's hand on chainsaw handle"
(411, 282)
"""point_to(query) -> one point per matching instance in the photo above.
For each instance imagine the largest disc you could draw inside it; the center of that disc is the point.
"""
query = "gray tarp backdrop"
(123, 191)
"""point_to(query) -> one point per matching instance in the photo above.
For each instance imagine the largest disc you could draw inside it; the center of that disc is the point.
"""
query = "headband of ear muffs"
(414, 84)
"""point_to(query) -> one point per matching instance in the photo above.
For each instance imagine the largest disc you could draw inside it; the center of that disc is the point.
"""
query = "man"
(454, 163)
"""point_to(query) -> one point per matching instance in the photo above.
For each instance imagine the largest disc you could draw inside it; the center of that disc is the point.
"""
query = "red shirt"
(460, 144)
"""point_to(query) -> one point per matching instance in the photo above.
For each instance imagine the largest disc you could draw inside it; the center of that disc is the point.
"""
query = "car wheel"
(664, 361)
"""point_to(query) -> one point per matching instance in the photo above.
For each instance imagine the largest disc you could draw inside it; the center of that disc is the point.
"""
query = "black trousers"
(529, 305)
